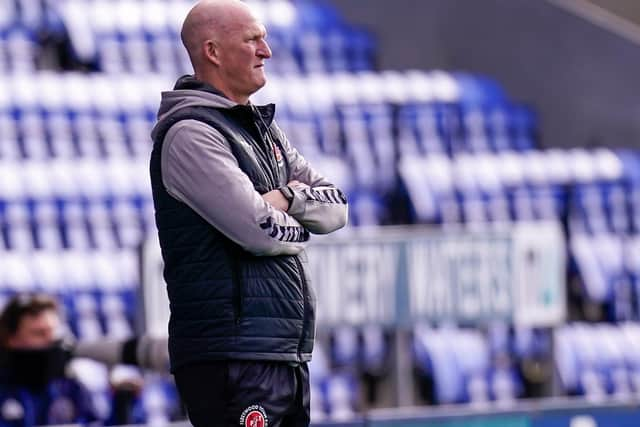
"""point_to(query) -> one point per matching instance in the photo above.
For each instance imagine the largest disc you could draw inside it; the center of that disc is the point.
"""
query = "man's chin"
(261, 82)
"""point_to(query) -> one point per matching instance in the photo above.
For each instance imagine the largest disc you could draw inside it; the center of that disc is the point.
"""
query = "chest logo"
(278, 154)
(254, 416)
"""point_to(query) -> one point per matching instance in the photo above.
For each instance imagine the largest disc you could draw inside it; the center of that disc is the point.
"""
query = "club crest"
(278, 154)
(254, 416)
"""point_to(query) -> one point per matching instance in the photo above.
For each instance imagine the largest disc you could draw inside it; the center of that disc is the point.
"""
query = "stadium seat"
(344, 348)
(340, 390)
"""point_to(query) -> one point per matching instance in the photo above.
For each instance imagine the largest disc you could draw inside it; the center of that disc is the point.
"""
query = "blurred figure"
(34, 389)
(135, 399)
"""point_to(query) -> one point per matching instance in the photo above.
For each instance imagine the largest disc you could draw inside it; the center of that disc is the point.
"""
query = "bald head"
(210, 20)
(227, 46)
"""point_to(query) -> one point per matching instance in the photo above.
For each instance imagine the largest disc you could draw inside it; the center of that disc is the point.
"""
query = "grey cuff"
(298, 204)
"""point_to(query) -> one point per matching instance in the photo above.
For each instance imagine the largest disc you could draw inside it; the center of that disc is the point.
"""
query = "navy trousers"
(245, 393)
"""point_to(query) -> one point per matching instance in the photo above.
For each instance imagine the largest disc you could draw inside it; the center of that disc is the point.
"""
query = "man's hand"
(297, 185)
(277, 200)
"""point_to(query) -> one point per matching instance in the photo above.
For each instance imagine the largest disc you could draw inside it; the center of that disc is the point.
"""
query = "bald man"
(235, 205)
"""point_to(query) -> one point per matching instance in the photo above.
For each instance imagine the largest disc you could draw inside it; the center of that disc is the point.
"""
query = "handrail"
(520, 406)
(601, 17)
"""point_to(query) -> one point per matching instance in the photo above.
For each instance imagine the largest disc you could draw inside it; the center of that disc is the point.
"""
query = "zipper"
(269, 145)
(251, 130)
(304, 304)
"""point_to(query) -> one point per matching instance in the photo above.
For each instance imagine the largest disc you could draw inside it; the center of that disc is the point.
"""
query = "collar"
(266, 112)
(190, 82)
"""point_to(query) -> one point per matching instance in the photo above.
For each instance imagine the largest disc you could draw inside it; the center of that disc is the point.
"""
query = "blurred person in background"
(235, 204)
(36, 386)
(34, 389)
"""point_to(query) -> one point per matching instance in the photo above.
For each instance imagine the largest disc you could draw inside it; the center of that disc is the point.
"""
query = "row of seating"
(69, 270)
(314, 94)
(143, 36)
(465, 366)
(92, 179)
(306, 52)
(57, 135)
(54, 127)
(87, 234)
(150, 15)
(593, 188)
(609, 266)
(32, 15)
(599, 361)
(512, 186)
(605, 208)
(97, 116)
(97, 289)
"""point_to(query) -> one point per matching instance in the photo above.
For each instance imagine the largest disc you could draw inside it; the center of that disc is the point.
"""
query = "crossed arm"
(199, 169)
(319, 206)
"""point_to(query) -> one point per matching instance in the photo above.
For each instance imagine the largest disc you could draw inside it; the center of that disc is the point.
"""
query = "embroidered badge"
(278, 154)
(254, 416)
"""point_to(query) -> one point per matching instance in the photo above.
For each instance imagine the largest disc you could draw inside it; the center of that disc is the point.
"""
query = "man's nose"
(264, 51)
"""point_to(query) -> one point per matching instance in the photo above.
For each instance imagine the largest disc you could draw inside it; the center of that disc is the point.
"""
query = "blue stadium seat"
(158, 403)
(340, 391)
(598, 360)
(85, 318)
(17, 50)
(375, 350)
(95, 377)
(475, 127)
(472, 355)
(629, 335)
(344, 348)
(318, 411)
(504, 386)
(478, 90)
(432, 349)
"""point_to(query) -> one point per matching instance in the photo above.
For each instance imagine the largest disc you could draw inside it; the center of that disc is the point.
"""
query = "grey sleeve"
(318, 205)
(199, 169)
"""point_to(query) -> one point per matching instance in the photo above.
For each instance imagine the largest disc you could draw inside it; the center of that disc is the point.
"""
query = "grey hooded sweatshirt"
(200, 170)
(235, 276)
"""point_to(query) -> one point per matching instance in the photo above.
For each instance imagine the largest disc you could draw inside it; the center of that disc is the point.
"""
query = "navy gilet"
(225, 302)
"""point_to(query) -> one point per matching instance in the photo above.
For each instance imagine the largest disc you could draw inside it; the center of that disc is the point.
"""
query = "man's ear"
(211, 51)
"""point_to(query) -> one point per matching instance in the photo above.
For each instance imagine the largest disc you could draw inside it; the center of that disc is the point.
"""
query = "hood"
(189, 92)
